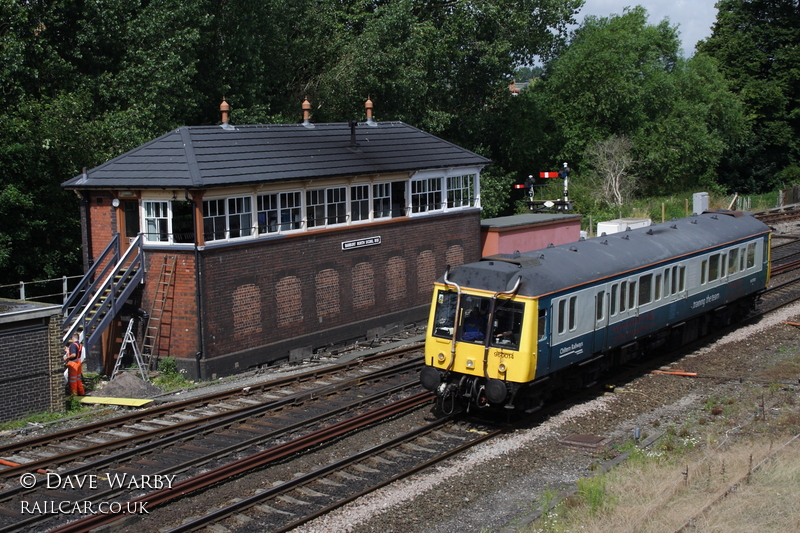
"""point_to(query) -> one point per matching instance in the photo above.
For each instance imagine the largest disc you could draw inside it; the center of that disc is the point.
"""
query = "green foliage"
(593, 493)
(168, 365)
(169, 377)
(755, 43)
(81, 83)
(622, 77)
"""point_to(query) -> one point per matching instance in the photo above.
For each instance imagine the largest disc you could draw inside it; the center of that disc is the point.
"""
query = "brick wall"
(259, 297)
(33, 377)
(263, 292)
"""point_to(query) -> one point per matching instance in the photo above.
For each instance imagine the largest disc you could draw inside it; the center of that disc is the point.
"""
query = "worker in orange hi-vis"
(74, 372)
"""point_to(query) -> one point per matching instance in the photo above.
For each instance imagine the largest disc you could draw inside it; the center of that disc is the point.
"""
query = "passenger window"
(614, 291)
(703, 267)
(601, 300)
(658, 287)
(682, 282)
(733, 261)
(622, 298)
(713, 267)
(542, 324)
(573, 304)
(632, 295)
(741, 259)
(666, 283)
(751, 255)
(561, 322)
(645, 289)
(674, 280)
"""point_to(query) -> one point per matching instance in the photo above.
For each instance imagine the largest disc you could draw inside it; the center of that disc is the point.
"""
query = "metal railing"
(44, 289)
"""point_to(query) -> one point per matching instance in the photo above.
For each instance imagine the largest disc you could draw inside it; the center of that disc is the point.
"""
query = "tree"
(620, 76)
(611, 162)
(756, 45)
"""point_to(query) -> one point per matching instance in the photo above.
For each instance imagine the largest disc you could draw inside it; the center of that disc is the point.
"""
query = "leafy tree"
(620, 76)
(756, 44)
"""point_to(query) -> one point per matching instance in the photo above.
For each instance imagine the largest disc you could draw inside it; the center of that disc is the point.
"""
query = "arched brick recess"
(246, 310)
(426, 271)
(396, 278)
(363, 286)
(327, 293)
(289, 304)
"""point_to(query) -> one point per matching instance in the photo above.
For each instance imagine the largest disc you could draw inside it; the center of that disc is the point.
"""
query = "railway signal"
(561, 204)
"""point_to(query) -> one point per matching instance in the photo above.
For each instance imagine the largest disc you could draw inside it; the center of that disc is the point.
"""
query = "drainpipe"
(198, 286)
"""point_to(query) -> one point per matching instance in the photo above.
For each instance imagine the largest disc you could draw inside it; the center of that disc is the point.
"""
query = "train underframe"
(456, 391)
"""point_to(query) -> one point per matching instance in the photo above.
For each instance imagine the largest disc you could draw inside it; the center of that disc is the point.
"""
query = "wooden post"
(663, 212)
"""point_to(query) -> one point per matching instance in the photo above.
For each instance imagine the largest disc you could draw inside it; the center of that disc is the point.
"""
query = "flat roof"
(15, 310)
(526, 219)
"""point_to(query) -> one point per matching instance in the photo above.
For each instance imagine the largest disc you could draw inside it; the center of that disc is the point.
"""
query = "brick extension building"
(259, 243)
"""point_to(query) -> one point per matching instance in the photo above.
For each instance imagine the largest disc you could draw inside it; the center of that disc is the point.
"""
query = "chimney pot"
(225, 109)
(307, 113)
(368, 107)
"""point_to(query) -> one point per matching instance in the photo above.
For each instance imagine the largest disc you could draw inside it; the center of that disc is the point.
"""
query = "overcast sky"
(694, 18)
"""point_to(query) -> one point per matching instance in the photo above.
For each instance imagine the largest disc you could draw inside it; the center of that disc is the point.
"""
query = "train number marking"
(503, 355)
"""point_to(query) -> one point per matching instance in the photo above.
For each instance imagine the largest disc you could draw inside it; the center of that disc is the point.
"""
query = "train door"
(601, 313)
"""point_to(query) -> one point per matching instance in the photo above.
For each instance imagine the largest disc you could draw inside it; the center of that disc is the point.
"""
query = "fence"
(53, 290)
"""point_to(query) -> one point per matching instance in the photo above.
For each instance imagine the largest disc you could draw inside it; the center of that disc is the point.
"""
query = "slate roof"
(213, 156)
(551, 270)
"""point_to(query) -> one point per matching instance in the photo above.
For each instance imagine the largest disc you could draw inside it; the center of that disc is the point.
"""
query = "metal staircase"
(153, 328)
(103, 291)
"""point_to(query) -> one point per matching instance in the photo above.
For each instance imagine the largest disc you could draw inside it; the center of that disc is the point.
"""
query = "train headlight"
(502, 368)
(440, 357)
(470, 363)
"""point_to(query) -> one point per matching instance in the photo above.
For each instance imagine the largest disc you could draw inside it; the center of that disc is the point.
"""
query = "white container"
(621, 224)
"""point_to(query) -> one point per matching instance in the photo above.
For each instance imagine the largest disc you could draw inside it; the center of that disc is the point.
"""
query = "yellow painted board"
(133, 402)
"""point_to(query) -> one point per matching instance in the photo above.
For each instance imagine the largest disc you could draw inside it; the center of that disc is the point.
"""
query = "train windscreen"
(473, 325)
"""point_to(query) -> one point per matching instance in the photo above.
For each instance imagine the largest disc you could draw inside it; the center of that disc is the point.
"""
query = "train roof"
(556, 268)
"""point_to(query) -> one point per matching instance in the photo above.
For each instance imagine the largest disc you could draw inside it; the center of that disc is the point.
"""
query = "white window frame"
(444, 190)
(381, 193)
(360, 203)
(288, 209)
(157, 212)
(245, 217)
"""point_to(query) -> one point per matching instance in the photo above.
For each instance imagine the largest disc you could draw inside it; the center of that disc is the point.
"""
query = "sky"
(694, 18)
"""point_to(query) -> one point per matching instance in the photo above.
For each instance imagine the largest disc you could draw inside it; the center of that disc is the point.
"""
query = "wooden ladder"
(153, 328)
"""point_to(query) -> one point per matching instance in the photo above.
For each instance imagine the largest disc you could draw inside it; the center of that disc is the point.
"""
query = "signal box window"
(156, 225)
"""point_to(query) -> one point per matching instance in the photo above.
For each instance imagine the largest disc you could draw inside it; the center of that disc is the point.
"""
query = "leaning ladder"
(153, 328)
(129, 339)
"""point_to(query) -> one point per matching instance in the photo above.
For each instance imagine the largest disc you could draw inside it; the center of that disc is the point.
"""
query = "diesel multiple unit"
(510, 329)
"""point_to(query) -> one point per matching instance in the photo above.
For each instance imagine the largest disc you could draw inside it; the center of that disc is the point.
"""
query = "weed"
(593, 493)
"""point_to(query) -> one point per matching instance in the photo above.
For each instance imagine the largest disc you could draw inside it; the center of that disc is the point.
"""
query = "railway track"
(114, 475)
(139, 427)
(277, 508)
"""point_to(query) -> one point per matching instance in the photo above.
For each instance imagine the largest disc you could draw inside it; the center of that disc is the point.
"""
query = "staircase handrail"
(87, 282)
(132, 258)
